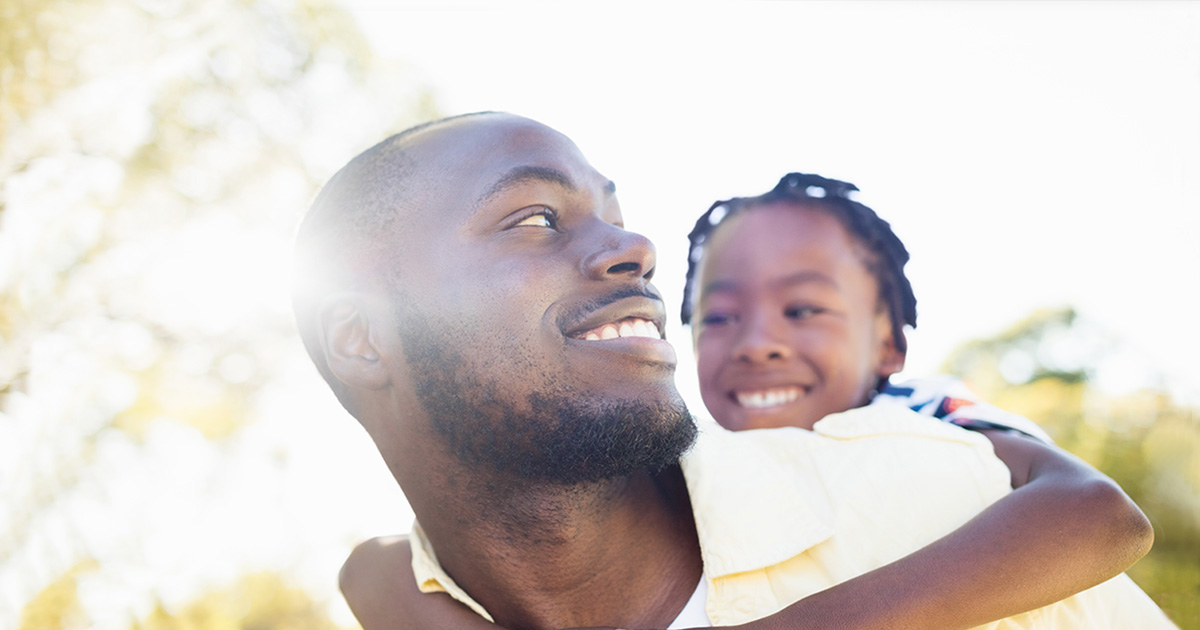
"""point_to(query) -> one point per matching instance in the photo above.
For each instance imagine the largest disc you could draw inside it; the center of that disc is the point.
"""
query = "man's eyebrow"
(522, 174)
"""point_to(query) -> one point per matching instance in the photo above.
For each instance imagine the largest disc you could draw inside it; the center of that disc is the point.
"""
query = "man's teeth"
(763, 398)
(632, 327)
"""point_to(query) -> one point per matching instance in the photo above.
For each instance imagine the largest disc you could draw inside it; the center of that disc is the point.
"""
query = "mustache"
(587, 308)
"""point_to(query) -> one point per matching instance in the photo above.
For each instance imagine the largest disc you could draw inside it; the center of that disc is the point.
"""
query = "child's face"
(788, 326)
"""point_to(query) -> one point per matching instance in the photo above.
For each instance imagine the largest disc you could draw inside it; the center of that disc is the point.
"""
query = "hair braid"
(886, 254)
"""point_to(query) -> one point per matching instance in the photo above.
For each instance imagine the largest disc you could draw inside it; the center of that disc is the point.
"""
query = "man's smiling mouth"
(623, 329)
(767, 398)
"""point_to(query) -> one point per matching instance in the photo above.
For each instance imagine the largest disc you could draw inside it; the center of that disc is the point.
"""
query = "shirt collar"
(431, 578)
(757, 500)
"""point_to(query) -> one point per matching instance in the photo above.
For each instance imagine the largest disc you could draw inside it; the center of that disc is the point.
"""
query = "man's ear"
(891, 357)
(350, 343)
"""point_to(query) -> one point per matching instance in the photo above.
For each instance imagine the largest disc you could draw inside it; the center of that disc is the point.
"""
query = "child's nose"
(761, 342)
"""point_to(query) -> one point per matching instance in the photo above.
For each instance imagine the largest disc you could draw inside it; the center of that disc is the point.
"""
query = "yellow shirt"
(784, 513)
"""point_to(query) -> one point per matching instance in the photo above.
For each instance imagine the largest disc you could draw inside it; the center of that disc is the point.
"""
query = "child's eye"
(802, 312)
(717, 319)
(542, 217)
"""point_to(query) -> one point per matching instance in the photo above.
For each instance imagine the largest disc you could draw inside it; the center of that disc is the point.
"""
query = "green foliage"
(257, 601)
(57, 607)
(154, 159)
(1143, 440)
(261, 601)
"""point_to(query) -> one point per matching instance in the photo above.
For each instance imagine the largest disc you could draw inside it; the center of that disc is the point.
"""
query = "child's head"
(797, 300)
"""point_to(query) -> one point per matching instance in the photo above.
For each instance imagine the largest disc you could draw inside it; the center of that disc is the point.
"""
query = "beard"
(553, 434)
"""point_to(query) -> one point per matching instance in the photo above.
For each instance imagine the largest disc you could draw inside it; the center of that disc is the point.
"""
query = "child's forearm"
(378, 584)
(1064, 529)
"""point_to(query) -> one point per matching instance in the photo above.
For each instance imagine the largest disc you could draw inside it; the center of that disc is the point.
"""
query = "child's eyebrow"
(802, 277)
(718, 286)
(805, 277)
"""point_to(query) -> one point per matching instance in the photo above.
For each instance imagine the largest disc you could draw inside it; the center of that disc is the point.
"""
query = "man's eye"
(544, 218)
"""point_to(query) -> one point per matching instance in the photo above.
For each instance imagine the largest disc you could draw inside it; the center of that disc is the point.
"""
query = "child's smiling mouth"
(768, 398)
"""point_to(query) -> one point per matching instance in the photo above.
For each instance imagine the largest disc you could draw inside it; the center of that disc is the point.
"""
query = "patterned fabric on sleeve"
(948, 399)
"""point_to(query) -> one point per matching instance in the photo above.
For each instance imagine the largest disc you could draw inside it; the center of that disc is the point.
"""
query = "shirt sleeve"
(948, 399)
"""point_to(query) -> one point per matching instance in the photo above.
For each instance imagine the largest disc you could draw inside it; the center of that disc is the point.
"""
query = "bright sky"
(1029, 154)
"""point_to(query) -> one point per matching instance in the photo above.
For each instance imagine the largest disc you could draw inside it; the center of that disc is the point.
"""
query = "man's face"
(525, 311)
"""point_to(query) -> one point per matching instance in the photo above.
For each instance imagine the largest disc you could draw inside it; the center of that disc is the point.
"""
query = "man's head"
(463, 279)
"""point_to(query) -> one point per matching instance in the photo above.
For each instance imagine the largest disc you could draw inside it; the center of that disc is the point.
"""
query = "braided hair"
(886, 255)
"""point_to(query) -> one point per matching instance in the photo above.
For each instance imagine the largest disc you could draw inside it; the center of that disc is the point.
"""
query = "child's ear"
(349, 342)
(891, 357)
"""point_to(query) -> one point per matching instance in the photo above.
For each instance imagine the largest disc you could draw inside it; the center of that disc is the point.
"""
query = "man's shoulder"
(882, 425)
(867, 481)
(876, 446)
(372, 575)
(889, 419)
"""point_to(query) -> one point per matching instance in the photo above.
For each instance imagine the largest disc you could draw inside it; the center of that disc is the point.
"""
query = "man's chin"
(595, 442)
(553, 433)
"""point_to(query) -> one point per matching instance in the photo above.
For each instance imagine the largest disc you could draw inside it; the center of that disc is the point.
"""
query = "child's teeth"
(768, 398)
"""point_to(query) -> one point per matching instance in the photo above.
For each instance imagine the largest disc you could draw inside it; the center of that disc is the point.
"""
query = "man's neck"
(617, 553)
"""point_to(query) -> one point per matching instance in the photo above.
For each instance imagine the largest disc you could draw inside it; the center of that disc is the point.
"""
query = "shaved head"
(447, 281)
(339, 244)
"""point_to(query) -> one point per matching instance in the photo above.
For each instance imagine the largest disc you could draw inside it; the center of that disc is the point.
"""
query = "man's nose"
(622, 254)
(761, 340)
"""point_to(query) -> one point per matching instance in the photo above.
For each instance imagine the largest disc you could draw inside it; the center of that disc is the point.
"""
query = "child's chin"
(772, 418)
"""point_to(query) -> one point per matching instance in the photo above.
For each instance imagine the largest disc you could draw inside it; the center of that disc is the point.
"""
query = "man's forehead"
(479, 155)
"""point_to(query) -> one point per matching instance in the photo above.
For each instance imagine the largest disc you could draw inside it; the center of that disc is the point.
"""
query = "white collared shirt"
(784, 513)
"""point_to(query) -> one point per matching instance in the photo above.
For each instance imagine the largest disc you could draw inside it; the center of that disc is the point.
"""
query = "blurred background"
(169, 459)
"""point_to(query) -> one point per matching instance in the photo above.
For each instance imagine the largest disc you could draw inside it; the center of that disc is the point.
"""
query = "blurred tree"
(1047, 368)
(57, 607)
(154, 158)
(260, 601)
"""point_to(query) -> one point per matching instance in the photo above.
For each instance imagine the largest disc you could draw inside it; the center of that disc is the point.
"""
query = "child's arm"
(1065, 528)
(378, 584)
